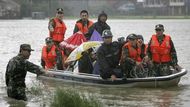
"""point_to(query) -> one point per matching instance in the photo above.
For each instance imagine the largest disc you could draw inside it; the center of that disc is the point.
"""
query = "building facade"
(167, 7)
(9, 9)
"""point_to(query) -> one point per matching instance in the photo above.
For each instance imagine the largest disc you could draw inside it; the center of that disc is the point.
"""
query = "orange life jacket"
(160, 52)
(50, 57)
(59, 30)
(84, 29)
(133, 53)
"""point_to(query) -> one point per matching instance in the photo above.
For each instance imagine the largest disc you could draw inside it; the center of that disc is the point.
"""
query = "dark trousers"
(127, 68)
(162, 69)
(17, 93)
(116, 71)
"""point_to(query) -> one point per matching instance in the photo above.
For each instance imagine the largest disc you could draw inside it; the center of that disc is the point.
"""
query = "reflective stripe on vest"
(160, 52)
(84, 29)
(59, 30)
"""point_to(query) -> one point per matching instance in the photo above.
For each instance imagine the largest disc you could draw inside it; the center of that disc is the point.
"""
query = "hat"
(140, 37)
(59, 10)
(106, 33)
(48, 40)
(132, 36)
(26, 47)
(159, 26)
(103, 14)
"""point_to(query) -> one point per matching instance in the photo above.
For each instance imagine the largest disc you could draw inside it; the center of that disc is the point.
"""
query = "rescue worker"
(84, 23)
(52, 57)
(145, 69)
(99, 26)
(16, 70)
(161, 52)
(108, 56)
(142, 46)
(130, 57)
(57, 27)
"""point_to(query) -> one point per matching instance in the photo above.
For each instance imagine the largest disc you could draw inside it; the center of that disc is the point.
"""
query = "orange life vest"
(59, 30)
(50, 57)
(84, 29)
(160, 52)
(133, 53)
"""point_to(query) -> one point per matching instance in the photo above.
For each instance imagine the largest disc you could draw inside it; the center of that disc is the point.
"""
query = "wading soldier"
(16, 72)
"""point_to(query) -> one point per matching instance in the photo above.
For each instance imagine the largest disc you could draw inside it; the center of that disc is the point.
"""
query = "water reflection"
(125, 97)
(15, 103)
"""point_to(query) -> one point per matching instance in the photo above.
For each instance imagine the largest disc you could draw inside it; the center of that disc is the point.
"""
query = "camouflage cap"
(26, 47)
(48, 40)
(59, 10)
(159, 26)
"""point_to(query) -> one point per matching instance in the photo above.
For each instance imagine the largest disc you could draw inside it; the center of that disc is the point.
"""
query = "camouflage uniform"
(15, 76)
(130, 68)
(51, 25)
(161, 69)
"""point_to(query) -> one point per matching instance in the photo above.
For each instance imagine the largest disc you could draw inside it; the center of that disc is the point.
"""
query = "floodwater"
(15, 32)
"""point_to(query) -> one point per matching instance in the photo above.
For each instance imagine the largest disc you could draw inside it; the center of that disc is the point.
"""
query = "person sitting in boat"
(146, 64)
(52, 57)
(85, 63)
(108, 56)
(130, 58)
(99, 26)
(84, 23)
(57, 27)
(142, 46)
(161, 52)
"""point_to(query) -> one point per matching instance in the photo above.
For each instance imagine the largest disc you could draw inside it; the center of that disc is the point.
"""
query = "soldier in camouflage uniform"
(57, 27)
(16, 72)
(162, 53)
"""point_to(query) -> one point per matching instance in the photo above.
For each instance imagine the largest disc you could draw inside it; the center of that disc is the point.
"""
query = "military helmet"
(106, 34)
(159, 26)
(131, 36)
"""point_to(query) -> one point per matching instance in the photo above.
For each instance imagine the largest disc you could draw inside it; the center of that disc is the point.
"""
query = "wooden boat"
(91, 79)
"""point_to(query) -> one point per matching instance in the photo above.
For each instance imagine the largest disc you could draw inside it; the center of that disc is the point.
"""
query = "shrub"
(71, 98)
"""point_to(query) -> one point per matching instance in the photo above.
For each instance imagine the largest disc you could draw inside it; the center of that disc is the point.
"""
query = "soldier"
(52, 57)
(161, 52)
(130, 57)
(57, 27)
(16, 72)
